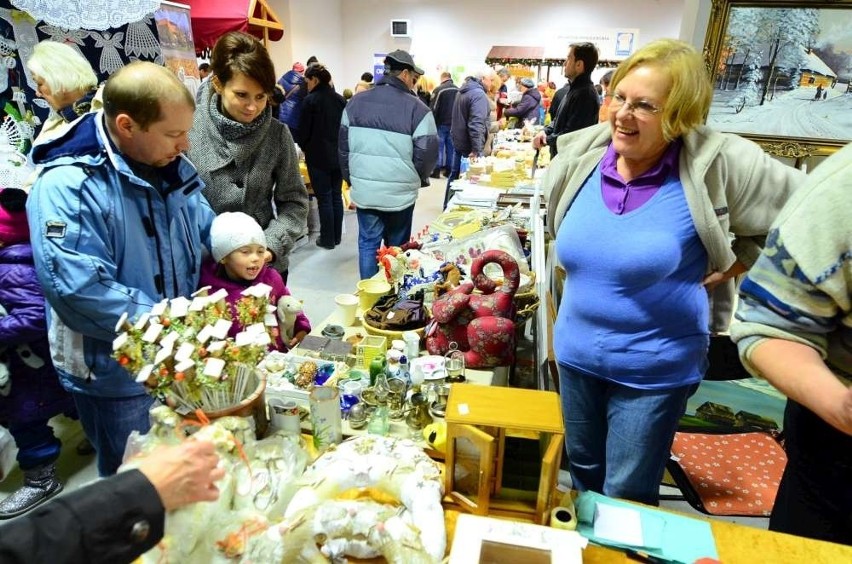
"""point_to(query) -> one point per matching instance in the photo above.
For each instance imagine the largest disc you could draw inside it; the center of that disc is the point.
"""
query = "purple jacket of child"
(210, 276)
(36, 393)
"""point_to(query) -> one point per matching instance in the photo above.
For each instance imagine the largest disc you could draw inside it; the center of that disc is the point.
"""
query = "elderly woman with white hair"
(66, 81)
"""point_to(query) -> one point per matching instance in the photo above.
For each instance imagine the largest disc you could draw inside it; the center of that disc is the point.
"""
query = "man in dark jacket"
(470, 123)
(119, 518)
(443, 98)
(388, 146)
(558, 96)
(581, 104)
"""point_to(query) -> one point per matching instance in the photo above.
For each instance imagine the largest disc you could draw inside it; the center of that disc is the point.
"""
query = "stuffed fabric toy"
(288, 308)
(480, 324)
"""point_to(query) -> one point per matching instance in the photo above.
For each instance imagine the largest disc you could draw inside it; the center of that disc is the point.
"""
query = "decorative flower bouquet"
(183, 355)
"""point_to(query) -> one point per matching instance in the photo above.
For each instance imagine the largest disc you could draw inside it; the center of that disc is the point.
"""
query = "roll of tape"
(563, 518)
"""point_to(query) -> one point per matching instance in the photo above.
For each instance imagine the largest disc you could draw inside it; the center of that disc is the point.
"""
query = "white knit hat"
(232, 230)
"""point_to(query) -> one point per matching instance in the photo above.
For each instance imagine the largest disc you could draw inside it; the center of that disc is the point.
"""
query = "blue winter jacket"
(295, 90)
(106, 242)
(388, 146)
(470, 118)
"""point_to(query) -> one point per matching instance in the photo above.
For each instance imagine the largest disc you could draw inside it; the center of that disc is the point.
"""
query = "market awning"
(508, 54)
(212, 19)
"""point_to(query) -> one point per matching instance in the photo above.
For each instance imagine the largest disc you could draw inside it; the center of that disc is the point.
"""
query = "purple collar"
(622, 197)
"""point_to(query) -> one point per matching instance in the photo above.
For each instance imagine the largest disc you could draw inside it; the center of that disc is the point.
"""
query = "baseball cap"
(400, 58)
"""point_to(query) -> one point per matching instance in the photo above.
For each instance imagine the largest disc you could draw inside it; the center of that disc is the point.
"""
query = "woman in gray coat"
(245, 156)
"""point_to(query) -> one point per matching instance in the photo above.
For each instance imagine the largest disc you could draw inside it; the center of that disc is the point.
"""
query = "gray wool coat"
(252, 168)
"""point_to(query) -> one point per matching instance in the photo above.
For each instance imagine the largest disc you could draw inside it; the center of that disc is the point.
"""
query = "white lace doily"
(87, 14)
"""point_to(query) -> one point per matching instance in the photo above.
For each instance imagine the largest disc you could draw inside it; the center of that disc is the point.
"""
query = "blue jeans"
(445, 148)
(454, 174)
(37, 445)
(374, 226)
(618, 438)
(327, 186)
(108, 423)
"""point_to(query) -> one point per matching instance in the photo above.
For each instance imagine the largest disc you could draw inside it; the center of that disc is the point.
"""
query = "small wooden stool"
(479, 418)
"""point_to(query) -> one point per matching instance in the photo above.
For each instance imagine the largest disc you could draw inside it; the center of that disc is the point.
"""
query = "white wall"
(344, 34)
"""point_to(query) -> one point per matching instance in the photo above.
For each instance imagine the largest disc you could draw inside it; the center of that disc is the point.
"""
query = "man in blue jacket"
(388, 147)
(117, 224)
(470, 122)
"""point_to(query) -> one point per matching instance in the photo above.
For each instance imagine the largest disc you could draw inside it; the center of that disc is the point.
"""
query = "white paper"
(218, 295)
(214, 367)
(159, 309)
(205, 334)
(119, 326)
(259, 290)
(198, 303)
(220, 330)
(169, 340)
(243, 339)
(143, 319)
(201, 291)
(120, 341)
(152, 333)
(621, 525)
(179, 307)
(144, 373)
(184, 352)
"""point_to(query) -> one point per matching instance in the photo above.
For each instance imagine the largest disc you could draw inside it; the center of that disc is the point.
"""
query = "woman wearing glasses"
(652, 213)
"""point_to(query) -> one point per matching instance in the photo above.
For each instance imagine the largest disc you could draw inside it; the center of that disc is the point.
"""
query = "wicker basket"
(252, 405)
(389, 335)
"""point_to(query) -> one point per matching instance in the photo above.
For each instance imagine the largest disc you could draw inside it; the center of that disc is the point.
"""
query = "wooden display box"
(479, 418)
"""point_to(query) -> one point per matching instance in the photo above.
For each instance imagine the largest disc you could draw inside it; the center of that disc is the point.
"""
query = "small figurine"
(288, 308)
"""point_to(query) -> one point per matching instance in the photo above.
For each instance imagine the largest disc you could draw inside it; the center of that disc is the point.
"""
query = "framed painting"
(782, 73)
(175, 32)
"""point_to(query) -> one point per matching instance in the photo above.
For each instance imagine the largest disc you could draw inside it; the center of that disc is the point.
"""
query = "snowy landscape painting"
(783, 70)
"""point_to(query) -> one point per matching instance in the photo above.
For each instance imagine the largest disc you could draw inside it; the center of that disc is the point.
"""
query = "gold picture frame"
(782, 74)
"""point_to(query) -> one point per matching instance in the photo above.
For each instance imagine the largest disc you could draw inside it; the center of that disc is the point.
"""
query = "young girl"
(32, 394)
(239, 261)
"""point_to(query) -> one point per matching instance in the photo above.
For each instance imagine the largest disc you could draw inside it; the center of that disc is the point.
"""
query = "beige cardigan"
(733, 189)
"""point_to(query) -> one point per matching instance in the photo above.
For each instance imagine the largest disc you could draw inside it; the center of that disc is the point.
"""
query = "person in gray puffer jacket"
(245, 156)
(388, 147)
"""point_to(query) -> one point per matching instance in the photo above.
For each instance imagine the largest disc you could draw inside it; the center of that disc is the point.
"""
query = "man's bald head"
(140, 90)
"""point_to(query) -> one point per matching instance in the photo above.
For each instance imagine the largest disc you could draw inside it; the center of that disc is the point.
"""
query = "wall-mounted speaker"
(400, 28)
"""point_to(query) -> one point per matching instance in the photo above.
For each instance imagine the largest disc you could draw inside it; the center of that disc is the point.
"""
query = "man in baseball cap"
(400, 60)
(388, 147)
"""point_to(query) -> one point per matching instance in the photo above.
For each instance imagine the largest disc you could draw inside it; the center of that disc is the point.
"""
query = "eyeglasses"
(640, 109)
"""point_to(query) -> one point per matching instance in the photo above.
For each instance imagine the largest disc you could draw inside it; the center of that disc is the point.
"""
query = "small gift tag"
(179, 307)
(201, 291)
(220, 330)
(159, 308)
(119, 342)
(152, 333)
(142, 321)
(259, 290)
(184, 352)
(144, 373)
(214, 367)
(205, 334)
